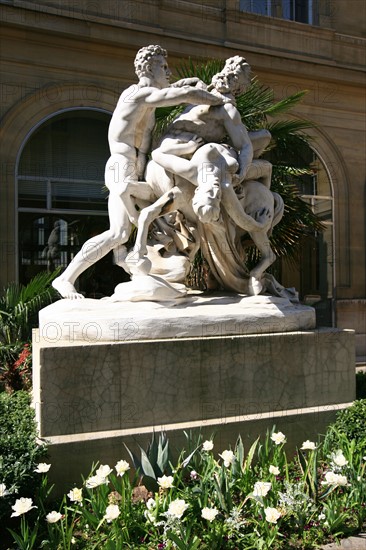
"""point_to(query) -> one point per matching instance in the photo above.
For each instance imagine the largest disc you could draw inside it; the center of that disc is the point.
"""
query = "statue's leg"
(238, 215)
(97, 246)
(260, 140)
(174, 164)
(260, 170)
(261, 240)
(170, 201)
(121, 177)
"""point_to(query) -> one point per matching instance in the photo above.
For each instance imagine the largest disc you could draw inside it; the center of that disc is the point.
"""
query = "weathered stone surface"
(92, 398)
(129, 385)
(351, 543)
(92, 321)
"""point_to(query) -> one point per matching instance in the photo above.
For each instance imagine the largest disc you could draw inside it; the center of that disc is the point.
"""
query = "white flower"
(193, 474)
(364, 457)
(177, 508)
(99, 478)
(3, 491)
(228, 458)
(53, 517)
(274, 470)
(207, 445)
(150, 504)
(111, 512)
(94, 481)
(332, 478)
(272, 515)
(42, 468)
(165, 482)
(209, 513)
(278, 438)
(121, 467)
(103, 471)
(148, 515)
(22, 506)
(339, 459)
(261, 488)
(321, 516)
(75, 495)
(308, 446)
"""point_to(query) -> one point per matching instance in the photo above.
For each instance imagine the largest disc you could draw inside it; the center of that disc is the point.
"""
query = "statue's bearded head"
(234, 78)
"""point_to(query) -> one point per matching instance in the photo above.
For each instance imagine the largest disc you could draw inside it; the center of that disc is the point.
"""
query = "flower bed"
(229, 500)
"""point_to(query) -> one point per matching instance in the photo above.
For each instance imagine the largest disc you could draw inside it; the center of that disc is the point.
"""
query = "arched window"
(62, 200)
(314, 276)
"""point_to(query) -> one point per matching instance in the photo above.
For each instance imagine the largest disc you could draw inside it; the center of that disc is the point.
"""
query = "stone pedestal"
(91, 397)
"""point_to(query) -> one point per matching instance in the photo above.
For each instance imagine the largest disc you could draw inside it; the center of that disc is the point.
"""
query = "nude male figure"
(129, 140)
(216, 124)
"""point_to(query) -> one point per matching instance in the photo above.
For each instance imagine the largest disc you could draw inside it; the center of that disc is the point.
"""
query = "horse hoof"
(255, 286)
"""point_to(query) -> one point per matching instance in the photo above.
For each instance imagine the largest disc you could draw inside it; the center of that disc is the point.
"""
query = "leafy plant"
(19, 307)
(16, 367)
(350, 423)
(153, 463)
(20, 451)
(20, 304)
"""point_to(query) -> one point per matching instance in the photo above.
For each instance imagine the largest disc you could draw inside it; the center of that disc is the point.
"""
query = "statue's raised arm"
(129, 140)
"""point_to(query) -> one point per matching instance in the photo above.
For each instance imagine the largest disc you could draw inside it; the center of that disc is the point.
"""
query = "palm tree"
(20, 304)
(19, 307)
(258, 109)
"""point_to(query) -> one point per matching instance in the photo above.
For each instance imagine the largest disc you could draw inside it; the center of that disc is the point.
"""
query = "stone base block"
(90, 398)
(130, 385)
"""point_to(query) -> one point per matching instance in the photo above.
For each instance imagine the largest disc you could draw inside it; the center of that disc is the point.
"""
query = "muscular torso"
(204, 121)
(130, 122)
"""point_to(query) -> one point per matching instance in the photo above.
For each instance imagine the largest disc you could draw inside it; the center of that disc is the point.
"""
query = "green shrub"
(350, 422)
(19, 450)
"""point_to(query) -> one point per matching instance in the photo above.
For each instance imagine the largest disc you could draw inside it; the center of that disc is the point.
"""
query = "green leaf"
(152, 452)
(187, 460)
(135, 460)
(239, 452)
(146, 466)
(286, 104)
(19, 306)
(181, 544)
(163, 456)
(250, 456)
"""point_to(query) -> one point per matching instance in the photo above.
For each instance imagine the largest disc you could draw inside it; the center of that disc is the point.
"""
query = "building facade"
(64, 65)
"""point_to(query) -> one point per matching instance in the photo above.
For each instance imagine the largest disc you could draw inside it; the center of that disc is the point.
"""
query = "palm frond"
(285, 104)
(285, 128)
(294, 170)
(204, 70)
(20, 304)
(257, 98)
